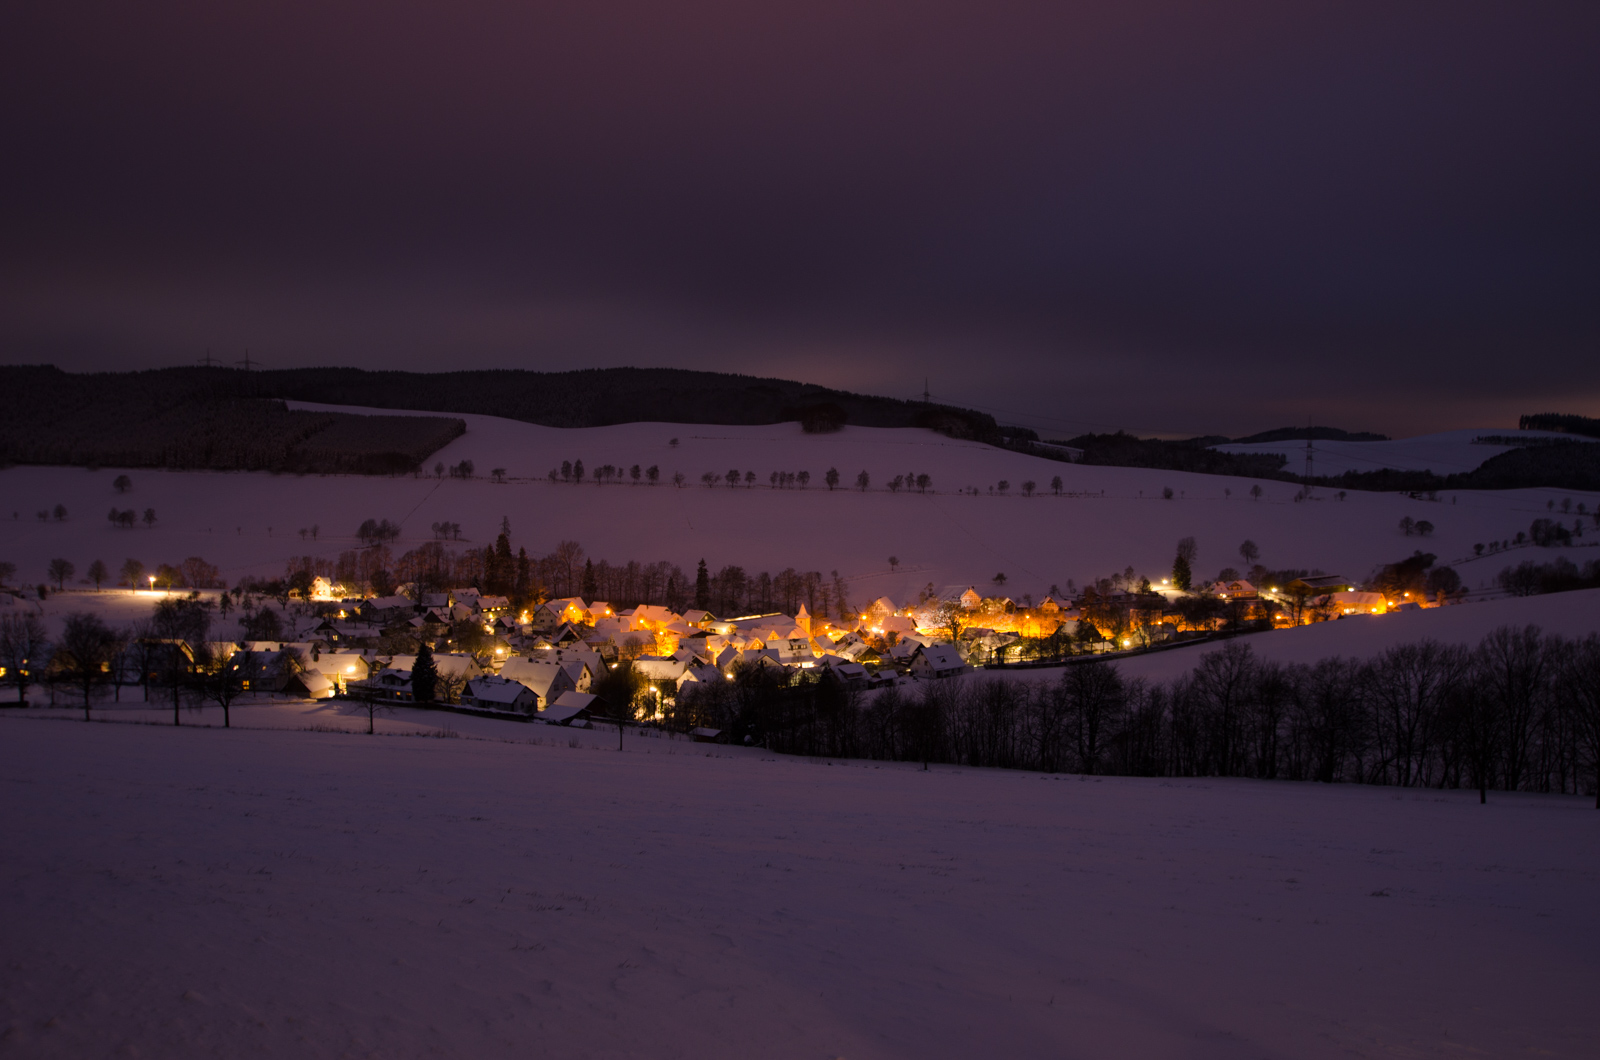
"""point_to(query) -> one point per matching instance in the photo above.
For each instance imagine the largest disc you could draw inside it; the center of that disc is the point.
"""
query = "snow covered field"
(248, 523)
(1445, 453)
(185, 892)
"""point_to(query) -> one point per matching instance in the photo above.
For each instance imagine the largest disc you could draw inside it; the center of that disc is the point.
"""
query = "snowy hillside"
(188, 892)
(1446, 453)
(1106, 520)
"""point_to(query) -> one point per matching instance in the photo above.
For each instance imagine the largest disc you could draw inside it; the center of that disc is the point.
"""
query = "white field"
(247, 523)
(189, 892)
(1445, 453)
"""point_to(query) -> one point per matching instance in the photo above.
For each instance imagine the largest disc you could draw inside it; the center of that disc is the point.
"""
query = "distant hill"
(1315, 434)
(196, 419)
(225, 419)
(600, 397)
(1570, 465)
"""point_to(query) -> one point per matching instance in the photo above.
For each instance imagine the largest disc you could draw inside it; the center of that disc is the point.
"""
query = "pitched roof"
(941, 656)
(496, 690)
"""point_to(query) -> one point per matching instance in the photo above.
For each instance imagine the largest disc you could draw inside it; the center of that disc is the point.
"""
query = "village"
(558, 661)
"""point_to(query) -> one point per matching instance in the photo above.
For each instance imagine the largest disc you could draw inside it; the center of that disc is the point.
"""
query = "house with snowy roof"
(572, 709)
(851, 675)
(385, 609)
(879, 609)
(499, 693)
(554, 613)
(547, 679)
(308, 684)
(791, 651)
(659, 668)
(933, 661)
(699, 673)
(450, 665)
(386, 684)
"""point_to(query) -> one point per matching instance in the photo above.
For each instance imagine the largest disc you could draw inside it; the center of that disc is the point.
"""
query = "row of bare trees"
(171, 650)
(1518, 712)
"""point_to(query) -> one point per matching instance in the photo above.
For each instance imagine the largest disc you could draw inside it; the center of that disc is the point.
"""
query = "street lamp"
(152, 583)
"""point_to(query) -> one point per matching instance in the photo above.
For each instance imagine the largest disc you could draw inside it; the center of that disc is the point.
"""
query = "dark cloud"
(1158, 215)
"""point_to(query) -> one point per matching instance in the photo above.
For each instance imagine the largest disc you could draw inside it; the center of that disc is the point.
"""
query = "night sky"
(1160, 216)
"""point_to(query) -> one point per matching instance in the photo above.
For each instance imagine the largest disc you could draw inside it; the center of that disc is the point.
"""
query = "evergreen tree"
(702, 587)
(523, 586)
(1181, 574)
(502, 574)
(588, 590)
(1182, 564)
(424, 675)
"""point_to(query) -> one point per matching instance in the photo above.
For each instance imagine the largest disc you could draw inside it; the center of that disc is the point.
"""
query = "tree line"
(1518, 712)
(172, 650)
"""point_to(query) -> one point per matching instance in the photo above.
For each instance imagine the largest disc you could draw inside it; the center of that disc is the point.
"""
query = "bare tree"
(84, 657)
(1249, 552)
(141, 652)
(222, 676)
(1094, 695)
(60, 570)
(24, 650)
(373, 706)
(181, 626)
(1580, 686)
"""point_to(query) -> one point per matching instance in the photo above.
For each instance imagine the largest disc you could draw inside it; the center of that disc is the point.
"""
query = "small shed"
(570, 708)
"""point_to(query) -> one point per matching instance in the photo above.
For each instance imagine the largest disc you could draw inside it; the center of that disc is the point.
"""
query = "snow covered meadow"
(175, 892)
(1105, 520)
